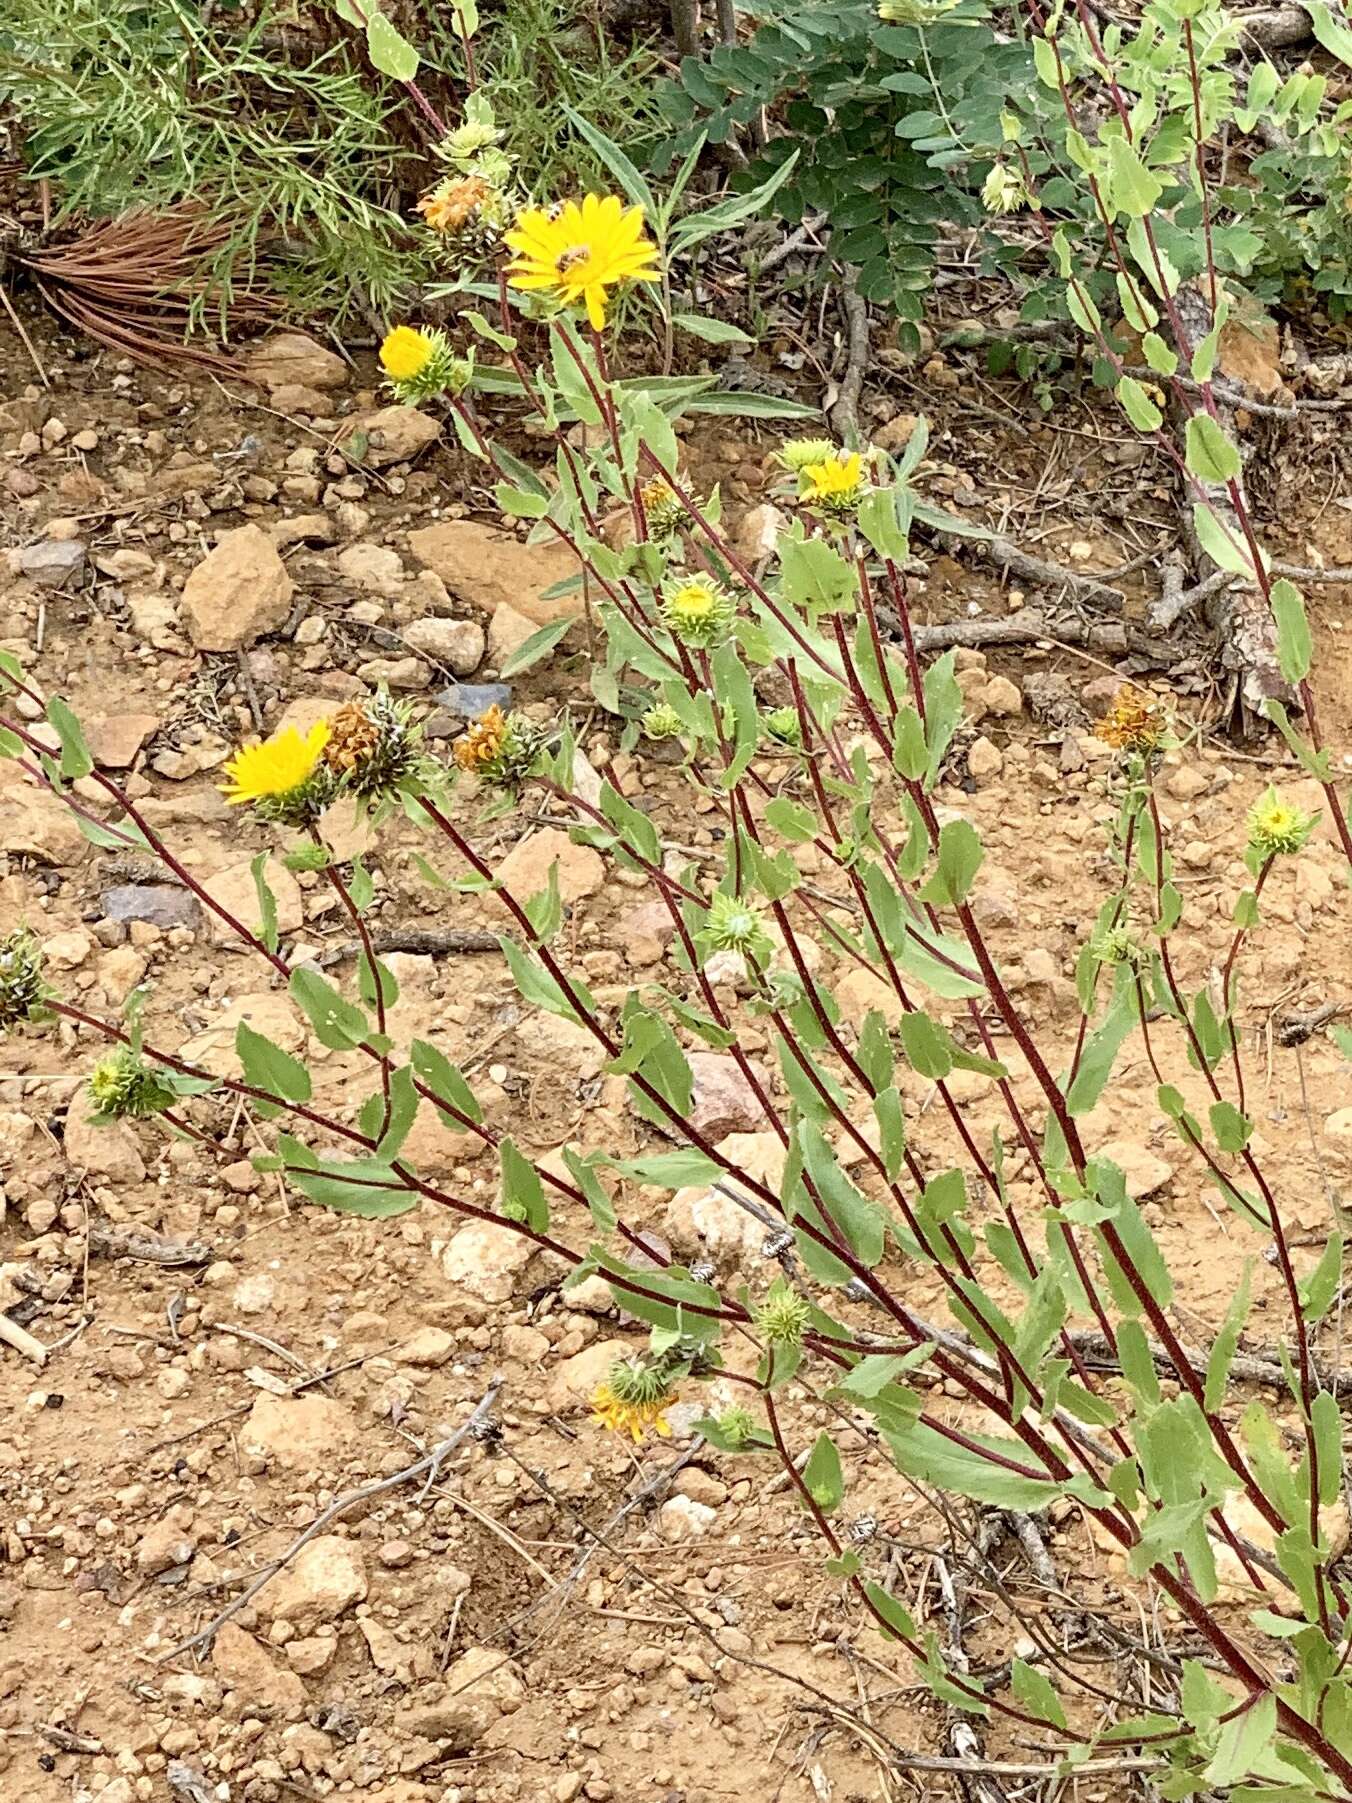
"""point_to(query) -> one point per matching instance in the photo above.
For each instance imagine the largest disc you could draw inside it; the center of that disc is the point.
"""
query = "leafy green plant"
(804, 725)
(129, 104)
(893, 126)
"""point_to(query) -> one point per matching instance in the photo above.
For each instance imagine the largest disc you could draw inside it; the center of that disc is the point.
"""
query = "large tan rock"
(267, 1011)
(323, 1581)
(298, 1433)
(115, 739)
(234, 890)
(239, 591)
(36, 823)
(295, 358)
(394, 435)
(494, 569)
(525, 869)
(110, 1151)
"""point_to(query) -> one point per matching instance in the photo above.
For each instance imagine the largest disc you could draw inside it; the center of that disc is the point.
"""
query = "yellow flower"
(279, 766)
(1277, 827)
(632, 1418)
(833, 483)
(699, 612)
(581, 250)
(406, 353)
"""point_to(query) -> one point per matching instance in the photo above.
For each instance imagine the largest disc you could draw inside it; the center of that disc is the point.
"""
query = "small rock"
(326, 1577)
(373, 569)
(1186, 783)
(243, 1665)
(312, 1655)
(896, 434)
(1339, 1124)
(759, 533)
(525, 869)
(395, 1554)
(67, 951)
(115, 739)
(984, 760)
(395, 672)
(1002, 696)
(36, 823)
(238, 592)
(295, 397)
(394, 435)
(165, 1544)
(299, 1433)
(1145, 1171)
(53, 563)
(723, 1101)
(295, 357)
(255, 1293)
(102, 1151)
(469, 700)
(682, 1518)
(704, 1223)
(429, 1346)
(458, 644)
(162, 904)
(489, 1261)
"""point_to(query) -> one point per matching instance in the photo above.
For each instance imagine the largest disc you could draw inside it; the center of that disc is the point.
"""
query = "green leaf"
(537, 646)
(1158, 355)
(791, 820)
(712, 331)
(824, 1475)
(1221, 546)
(926, 1046)
(1225, 1344)
(1233, 1130)
(1036, 1692)
(1100, 1053)
(1133, 188)
(1295, 647)
(520, 502)
(267, 902)
(981, 1472)
(389, 50)
(1331, 32)
(619, 165)
(359, 1186)
(445, 1082)
(1209, 454)
(698, 226)
(1138, 406)
(268, 1067)
(76, 758)
(337, 1023)
(1320, 1286)
(672, 1170)
(1244, 1739)
(522, 1195)
(960, 857)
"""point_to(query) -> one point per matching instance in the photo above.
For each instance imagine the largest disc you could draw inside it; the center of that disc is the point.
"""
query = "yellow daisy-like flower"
(277, 767)
(633, 1418)
(580, 251)
(833, 483)
(406, 352)
(1278, 827)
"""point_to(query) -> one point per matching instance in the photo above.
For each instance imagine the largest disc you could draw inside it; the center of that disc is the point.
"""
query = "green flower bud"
(22, 990)
(1277, 828)
(699, 612)
(784, 727)
(783, 1316)
(734, 925)
(662, 722)
(122, 1088)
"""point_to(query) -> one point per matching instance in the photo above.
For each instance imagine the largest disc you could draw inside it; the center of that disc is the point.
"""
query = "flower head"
(662, 722)
(634, 1397)
(420, 363)
(796, 453)
(581, 250)
(468, 140)
(23, 992)
(783, 725)
(1277, 827)
(1119, 945)
(738, 1424)
(284, 777)
(451, 205)
(121, 1087)
(662, 509)
(699, 612)
(734, 925)
(783, 1316)
(834, 483)
(499, 748)
(375, 746)
(1132, 723)
(1004, 190)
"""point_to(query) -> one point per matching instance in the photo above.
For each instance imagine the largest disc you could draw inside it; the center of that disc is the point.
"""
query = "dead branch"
(844, 414)
(1275, 27)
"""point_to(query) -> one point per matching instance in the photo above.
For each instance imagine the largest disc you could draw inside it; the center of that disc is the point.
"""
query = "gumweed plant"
(821, 739)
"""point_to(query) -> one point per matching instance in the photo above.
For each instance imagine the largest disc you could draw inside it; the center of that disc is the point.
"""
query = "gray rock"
(467, 700)
(162, 904)
(53, 562)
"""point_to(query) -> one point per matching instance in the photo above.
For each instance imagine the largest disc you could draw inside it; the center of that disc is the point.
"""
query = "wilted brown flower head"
(477, 748)
(353, 739)
(450, 207)
(1132, 723)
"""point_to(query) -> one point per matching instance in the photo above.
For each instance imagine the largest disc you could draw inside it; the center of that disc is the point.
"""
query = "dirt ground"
(463, 1637)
